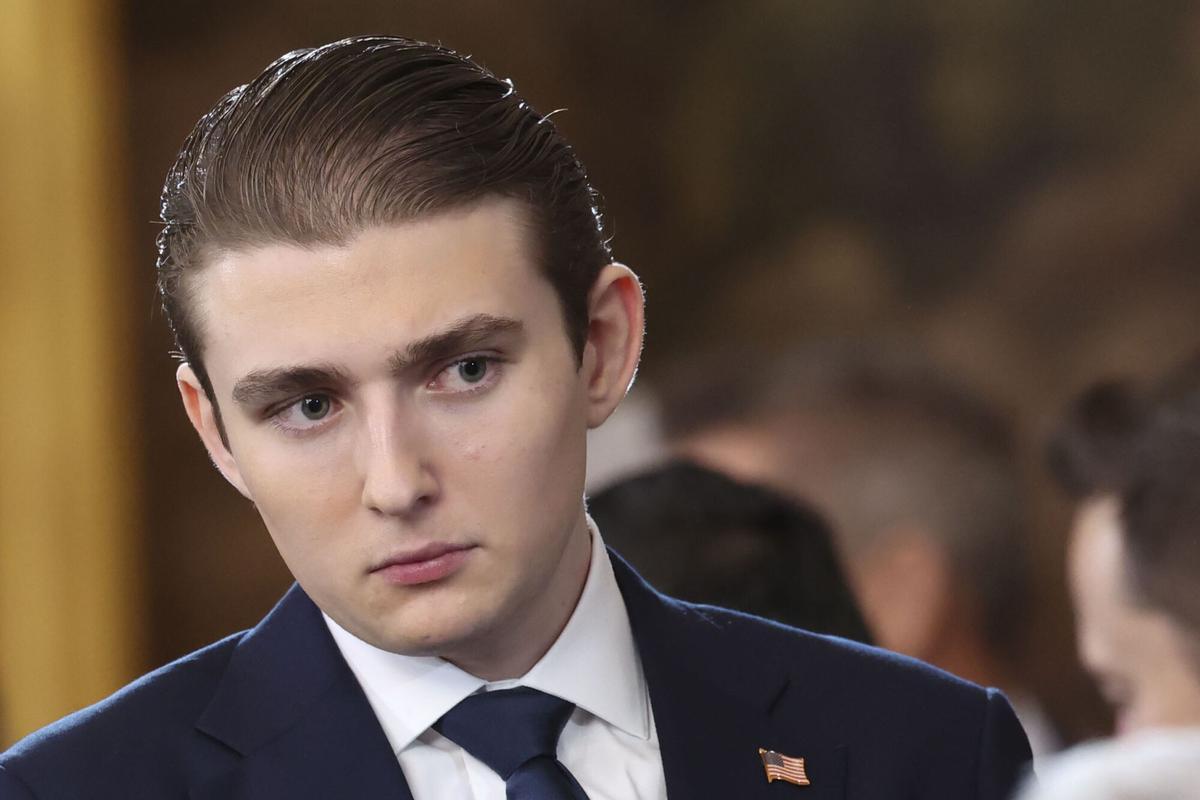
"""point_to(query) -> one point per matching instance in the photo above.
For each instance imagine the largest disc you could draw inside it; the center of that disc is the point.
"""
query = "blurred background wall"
(1010, 187)
(72, 619)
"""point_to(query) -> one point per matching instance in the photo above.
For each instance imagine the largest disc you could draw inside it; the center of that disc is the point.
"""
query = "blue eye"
(472, 370)
(315, 407)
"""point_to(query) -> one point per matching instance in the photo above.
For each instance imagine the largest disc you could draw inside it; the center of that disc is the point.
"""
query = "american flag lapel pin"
(783, 768)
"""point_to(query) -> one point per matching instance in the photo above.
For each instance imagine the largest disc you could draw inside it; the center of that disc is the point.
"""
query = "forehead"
(1108, 619)
(281, 302)
(1096, 553)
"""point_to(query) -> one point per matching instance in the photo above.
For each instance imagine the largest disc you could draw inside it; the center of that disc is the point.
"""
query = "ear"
(204, 419)
(616, 315)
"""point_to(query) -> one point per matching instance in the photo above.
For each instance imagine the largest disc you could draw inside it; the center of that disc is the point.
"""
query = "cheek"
(297, 486)
(530, 430)
(522, 460)
(1090, 643)
(1156, 678)
(548, 449)
(1167, 682)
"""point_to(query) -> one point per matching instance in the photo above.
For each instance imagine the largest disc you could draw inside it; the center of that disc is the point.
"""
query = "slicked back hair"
(363, 132)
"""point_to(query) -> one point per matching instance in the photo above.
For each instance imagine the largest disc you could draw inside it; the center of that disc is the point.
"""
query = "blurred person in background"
(1151, 766)
(916, 475)
(701, 536)
(1131, 458)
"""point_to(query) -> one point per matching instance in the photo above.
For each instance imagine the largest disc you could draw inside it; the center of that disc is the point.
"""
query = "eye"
(315, 407)
(310, 412)
(472, 370)
(466, 375)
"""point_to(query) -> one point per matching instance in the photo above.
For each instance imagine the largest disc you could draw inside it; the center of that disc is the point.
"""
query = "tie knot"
(507, 728)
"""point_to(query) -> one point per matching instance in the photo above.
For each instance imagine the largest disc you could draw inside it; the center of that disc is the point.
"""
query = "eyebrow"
(266, 384)
(460, 337)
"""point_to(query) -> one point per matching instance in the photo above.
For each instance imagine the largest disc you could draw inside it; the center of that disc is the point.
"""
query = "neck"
(539, 621)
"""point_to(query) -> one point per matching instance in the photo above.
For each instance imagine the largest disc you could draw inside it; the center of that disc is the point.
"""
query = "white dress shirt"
(609, 744)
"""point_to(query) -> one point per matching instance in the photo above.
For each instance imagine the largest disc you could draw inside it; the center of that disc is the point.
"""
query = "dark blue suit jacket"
(276, 713)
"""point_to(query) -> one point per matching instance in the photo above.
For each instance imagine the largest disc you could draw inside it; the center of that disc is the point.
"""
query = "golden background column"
(70, 621)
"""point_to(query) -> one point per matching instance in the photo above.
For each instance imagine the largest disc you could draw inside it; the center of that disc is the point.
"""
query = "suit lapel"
(291, 708)
(714, 699)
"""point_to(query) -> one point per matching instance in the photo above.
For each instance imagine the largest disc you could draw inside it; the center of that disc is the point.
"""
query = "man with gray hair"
(915, 471)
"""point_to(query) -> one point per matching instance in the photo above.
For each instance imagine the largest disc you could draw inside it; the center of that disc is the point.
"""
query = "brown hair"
(1160, 515)
(370, 131)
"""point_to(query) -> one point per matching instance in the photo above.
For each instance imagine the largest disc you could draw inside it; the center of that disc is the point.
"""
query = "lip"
(427, 564)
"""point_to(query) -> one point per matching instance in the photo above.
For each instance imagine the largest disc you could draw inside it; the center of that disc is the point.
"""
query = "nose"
(397, 476)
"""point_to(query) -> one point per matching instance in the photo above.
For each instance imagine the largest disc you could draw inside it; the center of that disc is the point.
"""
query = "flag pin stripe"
(783, 768)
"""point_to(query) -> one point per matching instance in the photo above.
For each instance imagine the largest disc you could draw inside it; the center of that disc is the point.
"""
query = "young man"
(399, 316)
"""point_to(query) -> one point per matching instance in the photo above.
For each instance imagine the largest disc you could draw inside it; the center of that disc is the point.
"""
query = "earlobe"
(203, 417)
(616, 316)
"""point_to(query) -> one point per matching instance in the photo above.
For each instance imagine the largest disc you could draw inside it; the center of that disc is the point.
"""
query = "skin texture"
(448, 408)
(1137, 654)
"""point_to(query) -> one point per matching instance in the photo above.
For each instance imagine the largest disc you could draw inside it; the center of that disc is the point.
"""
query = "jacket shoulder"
(904, 717)
(139, 724)
(855, 675)
(743, 649)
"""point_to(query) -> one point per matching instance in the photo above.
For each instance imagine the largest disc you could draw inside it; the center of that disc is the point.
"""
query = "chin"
(446, 640)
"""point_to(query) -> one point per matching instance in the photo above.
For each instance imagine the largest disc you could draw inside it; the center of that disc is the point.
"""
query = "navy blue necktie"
(515, 732)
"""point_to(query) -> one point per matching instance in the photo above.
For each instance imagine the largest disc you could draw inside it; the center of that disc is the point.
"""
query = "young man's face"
(409, 417)
(1138, 656)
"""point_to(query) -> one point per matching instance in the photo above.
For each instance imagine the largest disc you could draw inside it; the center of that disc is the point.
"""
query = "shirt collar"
(593, 664)
(407, 693)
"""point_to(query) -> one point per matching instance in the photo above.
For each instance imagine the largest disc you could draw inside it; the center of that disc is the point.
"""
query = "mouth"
(427, 564)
